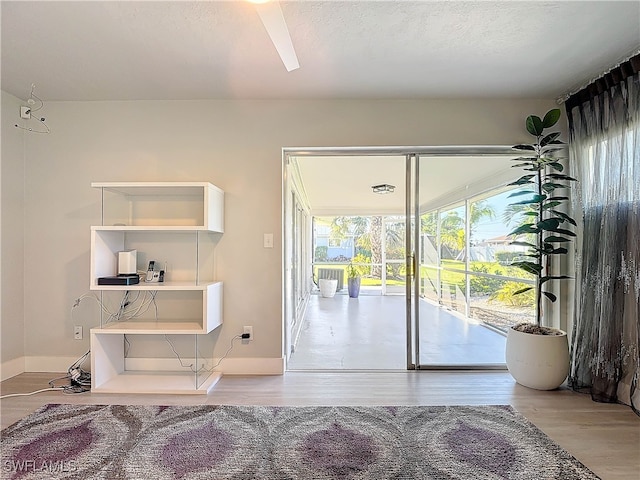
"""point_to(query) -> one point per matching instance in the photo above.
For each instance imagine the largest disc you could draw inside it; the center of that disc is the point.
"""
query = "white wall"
(11, 240)
(236, 145)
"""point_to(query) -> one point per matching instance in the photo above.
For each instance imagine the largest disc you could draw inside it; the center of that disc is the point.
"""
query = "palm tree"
(367, 234)
(478, 211)
(452, 231)
(429, 223)
(514, 214)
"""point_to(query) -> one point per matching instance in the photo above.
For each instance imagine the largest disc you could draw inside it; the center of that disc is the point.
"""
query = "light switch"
(268, 240)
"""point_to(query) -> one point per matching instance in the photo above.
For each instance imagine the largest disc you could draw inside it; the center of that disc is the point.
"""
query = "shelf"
(151, 328)
(158, 383)
(170, 286)
(153, 189)
(188, 254)
(162, 206)
(171, 224)
(210, 299)
(152, 228)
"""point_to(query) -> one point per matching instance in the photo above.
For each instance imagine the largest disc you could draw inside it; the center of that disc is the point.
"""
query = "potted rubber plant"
(353, 280)
(538, 356)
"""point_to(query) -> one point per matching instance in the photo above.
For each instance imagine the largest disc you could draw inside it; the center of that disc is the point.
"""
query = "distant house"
(488, 250)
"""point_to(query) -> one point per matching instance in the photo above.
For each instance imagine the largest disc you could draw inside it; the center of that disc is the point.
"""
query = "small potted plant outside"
(353, 280)
(538, 356)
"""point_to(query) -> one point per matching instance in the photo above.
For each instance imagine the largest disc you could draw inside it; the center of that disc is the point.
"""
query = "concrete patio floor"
(368, 333)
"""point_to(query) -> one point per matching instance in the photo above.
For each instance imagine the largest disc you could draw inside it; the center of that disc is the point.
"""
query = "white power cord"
(31, 393)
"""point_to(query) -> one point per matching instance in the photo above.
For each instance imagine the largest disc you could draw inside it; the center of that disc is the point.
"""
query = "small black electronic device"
(119, 280)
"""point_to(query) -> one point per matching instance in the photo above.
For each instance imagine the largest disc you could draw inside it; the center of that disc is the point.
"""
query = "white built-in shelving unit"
(176, 224)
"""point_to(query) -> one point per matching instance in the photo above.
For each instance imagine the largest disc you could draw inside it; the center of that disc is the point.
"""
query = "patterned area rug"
(277, 443)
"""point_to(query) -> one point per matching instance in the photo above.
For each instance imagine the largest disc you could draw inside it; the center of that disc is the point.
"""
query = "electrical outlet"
(248, 330)
(77, 332)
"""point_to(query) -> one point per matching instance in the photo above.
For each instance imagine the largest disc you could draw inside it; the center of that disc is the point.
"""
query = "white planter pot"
(537, 361)
(327, 287)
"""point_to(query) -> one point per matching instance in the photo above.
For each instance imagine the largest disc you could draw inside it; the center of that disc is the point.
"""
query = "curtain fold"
(604, 153)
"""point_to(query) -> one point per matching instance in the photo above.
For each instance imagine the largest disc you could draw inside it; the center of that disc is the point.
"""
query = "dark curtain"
(604, 152)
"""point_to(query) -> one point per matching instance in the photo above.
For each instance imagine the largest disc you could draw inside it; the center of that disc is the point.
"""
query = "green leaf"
(524, 159)
(553, 277)
(557, 198)
(564, 216)
(564, 232)
(551, 118)
(534, 199)
(548, 224)
(522, 290)
(554, 251)
(550, 296)
(524, 147)
(523, 180)
(518, 165)
(526, 228)
(550, 187)
(521, 192)
(556, 239)
(530, 267)
(534, 125)
(558, 219)
(550, 149)
(556, 166)
(561, 176)
(549, 138)
(550, 205)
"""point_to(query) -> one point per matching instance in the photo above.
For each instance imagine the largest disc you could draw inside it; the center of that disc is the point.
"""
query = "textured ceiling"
(129, 50)
(174, 50)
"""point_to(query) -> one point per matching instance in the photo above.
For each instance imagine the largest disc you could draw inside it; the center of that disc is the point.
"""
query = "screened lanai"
(461, 282)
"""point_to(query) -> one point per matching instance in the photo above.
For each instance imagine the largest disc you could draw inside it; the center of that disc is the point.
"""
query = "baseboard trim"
(252, 366)
(229, 366)
(11, 368)
(51, 364)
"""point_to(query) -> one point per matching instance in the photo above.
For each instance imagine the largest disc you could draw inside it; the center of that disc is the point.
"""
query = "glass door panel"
(449, 332)
(452, 288)
(394, 255)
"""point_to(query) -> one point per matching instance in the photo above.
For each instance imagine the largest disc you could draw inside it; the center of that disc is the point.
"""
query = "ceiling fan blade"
(273, 20)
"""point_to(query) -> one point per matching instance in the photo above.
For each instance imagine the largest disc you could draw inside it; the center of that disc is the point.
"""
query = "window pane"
(429, 285)
(429, 234)
(452, 236)
(492, 218)
(395, 238)
(453, 287)
(492, 301)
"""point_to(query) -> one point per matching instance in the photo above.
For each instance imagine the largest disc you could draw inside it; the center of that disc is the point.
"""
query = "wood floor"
(604, 437)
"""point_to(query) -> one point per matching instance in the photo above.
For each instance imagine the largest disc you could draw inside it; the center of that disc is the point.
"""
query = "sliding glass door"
(459, 282)
(429, 248)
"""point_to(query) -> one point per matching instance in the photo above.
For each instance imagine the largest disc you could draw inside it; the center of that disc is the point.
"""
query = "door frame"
(412, 192)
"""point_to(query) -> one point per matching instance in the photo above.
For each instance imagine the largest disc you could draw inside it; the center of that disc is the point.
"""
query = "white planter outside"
(537, 361)
(327, 287)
